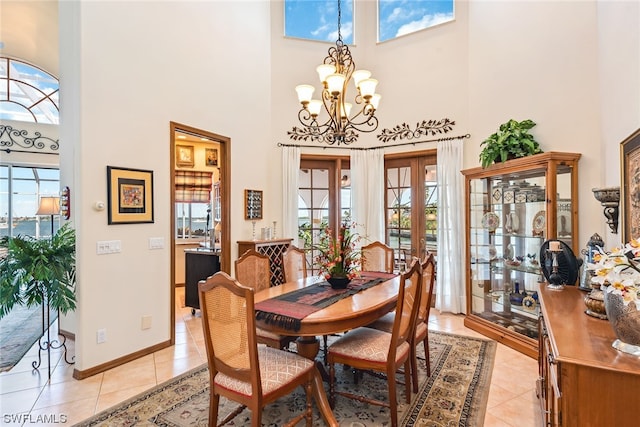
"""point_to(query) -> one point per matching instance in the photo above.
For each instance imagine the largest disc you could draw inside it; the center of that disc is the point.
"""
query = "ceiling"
(29, 31)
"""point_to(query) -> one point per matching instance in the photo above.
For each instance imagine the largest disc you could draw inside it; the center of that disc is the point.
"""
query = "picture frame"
(185, 156)
(211, 156)
(129, 195)
(630, 188)
(253, 204)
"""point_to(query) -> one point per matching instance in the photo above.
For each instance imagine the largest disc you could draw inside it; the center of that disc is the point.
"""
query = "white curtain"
(450, 284)
(290, 173)
(367, 192)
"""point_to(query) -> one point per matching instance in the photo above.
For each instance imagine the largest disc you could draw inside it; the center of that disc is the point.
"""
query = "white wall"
(224, 66)
(204, 64)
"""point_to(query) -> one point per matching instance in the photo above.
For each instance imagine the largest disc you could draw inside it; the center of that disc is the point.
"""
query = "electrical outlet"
(101, 336)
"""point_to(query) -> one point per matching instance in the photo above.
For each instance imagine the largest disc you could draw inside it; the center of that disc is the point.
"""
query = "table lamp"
(49, 205)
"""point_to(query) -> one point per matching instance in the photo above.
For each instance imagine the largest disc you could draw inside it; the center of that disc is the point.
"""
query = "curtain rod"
(448, 138)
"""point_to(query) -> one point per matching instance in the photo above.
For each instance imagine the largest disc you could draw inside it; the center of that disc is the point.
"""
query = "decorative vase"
(338, 282)
(594, 301)
(625, 321)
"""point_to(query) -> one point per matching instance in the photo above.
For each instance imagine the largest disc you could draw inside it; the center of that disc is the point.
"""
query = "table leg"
(309, 347)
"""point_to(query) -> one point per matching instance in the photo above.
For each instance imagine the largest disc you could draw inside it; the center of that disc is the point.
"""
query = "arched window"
(27, 93)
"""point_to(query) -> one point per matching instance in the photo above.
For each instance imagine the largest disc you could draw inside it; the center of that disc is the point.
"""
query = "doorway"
(411, 204)
(200, 163)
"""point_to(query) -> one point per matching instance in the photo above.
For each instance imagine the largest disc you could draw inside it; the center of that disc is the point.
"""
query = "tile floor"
(27, 398)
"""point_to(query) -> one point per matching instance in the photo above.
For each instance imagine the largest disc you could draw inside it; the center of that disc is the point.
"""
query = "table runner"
(287, 310)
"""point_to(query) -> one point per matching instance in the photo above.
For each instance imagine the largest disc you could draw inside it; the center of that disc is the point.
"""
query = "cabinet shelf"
(524, 225)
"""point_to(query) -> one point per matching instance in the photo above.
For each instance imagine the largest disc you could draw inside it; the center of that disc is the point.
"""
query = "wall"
(193, 63)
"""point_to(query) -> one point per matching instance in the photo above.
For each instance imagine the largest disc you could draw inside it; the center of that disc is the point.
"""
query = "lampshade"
(360, 75)
(305, 92)
(368, 88)
(49, 205)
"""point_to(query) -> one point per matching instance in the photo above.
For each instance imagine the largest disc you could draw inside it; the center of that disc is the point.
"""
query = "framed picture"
(211, 156)
(252, 204)
(130, 195)
(630, 188)
(184, 156)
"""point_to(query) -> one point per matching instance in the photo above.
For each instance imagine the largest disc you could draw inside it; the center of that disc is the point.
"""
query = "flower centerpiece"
(619, 271)
(338, 259)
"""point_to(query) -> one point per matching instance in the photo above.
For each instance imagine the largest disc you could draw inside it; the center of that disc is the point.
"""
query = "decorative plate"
(493, 252)
(539, 221)
(490, 221)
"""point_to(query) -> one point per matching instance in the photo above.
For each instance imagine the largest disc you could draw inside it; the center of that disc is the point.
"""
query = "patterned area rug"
(455, 395)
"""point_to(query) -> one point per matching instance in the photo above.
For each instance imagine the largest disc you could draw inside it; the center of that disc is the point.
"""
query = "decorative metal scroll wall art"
(19, 140)
(424, 128)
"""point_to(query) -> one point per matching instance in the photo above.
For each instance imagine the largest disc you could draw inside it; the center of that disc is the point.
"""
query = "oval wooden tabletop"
(357, 310)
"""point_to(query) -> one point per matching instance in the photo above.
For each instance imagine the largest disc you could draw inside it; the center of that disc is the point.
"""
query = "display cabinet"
(511, 209)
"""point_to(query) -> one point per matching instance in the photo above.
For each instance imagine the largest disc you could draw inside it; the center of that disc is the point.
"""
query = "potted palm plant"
(39, 271)
(511, 141)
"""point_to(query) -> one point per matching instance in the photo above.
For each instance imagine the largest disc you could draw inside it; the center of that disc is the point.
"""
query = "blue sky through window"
(400, 17)
(318, 19)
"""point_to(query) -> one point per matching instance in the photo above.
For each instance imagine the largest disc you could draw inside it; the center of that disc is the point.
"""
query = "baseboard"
(80, 375)
(67, 334)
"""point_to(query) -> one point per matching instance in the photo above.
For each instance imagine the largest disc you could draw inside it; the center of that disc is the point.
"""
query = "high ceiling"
(29, 31)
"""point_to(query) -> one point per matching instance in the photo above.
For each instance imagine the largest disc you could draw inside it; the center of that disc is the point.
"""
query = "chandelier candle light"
(337, 70)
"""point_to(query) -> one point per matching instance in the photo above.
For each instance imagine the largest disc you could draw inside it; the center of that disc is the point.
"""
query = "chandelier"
(335, 73)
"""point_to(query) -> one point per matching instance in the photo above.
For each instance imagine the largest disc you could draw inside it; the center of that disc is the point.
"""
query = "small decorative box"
(521, 196)
(509, 194)
(496, 194)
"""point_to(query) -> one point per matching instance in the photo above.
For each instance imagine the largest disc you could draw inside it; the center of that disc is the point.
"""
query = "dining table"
(356, 309)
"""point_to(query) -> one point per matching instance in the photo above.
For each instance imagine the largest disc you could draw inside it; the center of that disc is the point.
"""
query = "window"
(411, 204)
(324, 199)
(27, 93)
(399, 17)
(20, 192)
(318, 20)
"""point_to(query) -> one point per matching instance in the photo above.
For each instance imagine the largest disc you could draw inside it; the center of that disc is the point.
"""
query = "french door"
(411, 204)
(324, 200)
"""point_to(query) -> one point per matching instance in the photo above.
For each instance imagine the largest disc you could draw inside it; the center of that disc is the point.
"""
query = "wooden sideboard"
(271, 248)
(583, 380)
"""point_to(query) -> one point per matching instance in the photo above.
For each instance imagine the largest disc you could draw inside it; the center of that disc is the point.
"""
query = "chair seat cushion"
(277, 368)
(385, 323)
(367, 344)
(421, 331)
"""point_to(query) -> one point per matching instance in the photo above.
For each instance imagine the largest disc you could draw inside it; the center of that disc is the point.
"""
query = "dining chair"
(382, 352)
(240, 369)
(385, 323)
(376, 256)
(253, 270)
(294, 264)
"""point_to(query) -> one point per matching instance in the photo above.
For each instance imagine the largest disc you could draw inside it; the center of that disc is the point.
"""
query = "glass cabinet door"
(508, 226)
(512, 209)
